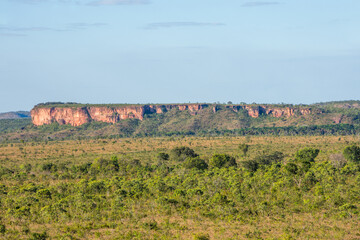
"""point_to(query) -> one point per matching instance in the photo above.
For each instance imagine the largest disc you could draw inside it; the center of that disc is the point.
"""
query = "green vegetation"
(181, 188)
(222, 161)
(352, 153)
(80, 105)
(11, 125)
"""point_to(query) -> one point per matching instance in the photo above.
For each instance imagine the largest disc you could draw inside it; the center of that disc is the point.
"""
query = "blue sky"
(170, 51)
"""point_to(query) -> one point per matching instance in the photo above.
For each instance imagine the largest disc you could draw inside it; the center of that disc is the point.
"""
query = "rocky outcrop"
(337, 119)
(73, 116)
(114, 114)
(77, 116)
(256, 111)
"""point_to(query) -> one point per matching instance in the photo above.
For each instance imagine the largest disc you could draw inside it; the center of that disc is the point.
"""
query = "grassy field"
(80, 151)
(124, 189)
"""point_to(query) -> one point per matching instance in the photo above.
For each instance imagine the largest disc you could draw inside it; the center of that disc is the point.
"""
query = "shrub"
(263, 160)
(222, 160)
(2, 228)
(195, 162)
(306, 155)
(181, 153)
(39, 236)
(163, 156)
(49, 167)
(292, 168)
(244, 148)
(201, 236)
(250, 165)
(352, 153)
(26, 167)
(44, 193)
(97, 186)
(268, 159)
(151, 225)
(103, 165)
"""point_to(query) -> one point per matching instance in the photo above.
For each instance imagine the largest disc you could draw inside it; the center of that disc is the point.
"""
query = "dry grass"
(146, 148)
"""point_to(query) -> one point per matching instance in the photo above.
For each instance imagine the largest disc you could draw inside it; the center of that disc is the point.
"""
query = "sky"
(178, 51)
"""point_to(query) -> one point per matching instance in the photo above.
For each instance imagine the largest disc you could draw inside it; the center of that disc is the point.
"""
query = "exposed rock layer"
(77, 116)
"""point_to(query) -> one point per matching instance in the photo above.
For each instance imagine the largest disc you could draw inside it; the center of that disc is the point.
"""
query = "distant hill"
(15, 115)
(76, 121)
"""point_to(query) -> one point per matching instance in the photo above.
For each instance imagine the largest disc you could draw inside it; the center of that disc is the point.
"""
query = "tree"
(244, 148)
(222, 160)
(268, 159)
(195, 162)
(181, 153)
(263, 160)
(306, 154)
(250, 165)
(352, 153)
(163, 156)
(305, 157)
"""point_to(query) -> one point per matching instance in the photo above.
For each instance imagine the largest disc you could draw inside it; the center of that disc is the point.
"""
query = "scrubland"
(181, 188)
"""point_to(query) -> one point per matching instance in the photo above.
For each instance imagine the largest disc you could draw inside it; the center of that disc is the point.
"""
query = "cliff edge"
(78, 114)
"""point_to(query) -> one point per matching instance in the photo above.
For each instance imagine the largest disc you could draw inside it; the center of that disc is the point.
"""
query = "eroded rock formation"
(77, 116)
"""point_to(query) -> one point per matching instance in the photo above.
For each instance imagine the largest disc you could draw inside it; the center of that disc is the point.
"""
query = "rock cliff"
(76, 115)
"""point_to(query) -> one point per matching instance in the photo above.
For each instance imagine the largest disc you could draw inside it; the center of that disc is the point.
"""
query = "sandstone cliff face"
(73, 116)
(77, 116)
(113, 115)
(256, 111)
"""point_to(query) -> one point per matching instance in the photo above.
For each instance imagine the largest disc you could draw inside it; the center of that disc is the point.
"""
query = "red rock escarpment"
(256, 111)
(73, 116)
(77, 116)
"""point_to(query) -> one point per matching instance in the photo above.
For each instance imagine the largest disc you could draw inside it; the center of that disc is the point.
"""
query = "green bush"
(163, 156)
(222, 160)
(104, 165)
(306, 155)
(352, 153)
(291, 168)
(263, 160)
(151, 225)
(51, 167)
(44, 193)
(195, 162)
(268, 159)
(250, 165)
(39, 236)
(2, 228)
(201, 236)
(244, 148)
(181, 153)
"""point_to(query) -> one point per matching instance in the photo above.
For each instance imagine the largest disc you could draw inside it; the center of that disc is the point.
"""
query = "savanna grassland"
(181, 188)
